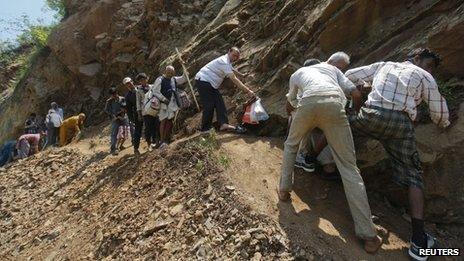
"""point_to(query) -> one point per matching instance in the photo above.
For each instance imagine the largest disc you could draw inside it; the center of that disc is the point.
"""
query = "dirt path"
(318, 215)
(88, 187)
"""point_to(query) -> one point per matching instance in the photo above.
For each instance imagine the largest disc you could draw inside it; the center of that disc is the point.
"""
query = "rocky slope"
(100, 42)
(97, 207)
(194, 201)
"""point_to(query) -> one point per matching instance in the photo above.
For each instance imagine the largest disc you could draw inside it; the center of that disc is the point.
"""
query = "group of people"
(148, 107)
(317, 99)
(41, 134)
(320, 118)
(152, 108)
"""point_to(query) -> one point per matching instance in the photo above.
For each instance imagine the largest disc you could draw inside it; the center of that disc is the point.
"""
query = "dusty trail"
(318, 215)
(95, 206)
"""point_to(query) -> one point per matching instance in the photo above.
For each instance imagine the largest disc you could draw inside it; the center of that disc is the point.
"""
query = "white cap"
(126, 80)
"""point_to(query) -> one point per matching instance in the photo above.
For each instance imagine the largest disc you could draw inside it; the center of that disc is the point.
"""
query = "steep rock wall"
(100, 42)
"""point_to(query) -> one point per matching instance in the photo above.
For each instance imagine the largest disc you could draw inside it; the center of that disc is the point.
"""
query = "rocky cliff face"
(100, 42)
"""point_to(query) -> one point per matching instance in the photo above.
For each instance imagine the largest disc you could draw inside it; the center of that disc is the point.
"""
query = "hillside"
(196, 200)
(100, 205)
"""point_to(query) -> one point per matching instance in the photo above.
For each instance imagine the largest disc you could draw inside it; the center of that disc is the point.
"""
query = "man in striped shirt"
(388, 115)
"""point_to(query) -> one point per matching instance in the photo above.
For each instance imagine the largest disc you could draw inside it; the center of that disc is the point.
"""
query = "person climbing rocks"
(398, 88)
(207, 82)
(303, 151)
(151, 122)
(71, 129)
(323, 88)
(28, 144)
(136, 125)
(53, 121)
(31, 125)
(167, 85)
(8, 152)
(115, 108)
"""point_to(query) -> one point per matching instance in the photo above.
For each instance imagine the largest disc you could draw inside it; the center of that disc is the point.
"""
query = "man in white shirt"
(323, 88)
(151, 123)
(397, 90)
(207, 82)
(165, 87)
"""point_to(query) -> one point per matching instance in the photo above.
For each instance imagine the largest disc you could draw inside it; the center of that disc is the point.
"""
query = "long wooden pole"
(184, 69)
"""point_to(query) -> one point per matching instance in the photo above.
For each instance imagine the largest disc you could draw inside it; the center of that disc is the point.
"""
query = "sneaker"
(414, 249)
(115, 152)
(302, 163)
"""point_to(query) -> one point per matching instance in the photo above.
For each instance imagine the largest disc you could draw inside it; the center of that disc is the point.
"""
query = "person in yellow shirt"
(71, 129)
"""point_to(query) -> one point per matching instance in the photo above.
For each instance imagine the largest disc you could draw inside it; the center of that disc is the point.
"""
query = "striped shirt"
(402, 87)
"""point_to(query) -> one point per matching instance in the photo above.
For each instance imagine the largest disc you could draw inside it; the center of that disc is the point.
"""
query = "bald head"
(170, 71)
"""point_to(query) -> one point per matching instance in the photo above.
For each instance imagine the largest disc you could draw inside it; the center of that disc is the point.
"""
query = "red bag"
(246, 116)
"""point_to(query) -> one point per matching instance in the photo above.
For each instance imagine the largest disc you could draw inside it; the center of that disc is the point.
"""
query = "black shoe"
(240, 130)
(414, 250)
(308, 167)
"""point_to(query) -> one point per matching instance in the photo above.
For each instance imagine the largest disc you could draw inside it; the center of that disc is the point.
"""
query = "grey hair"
(339, 56)
(170, 67)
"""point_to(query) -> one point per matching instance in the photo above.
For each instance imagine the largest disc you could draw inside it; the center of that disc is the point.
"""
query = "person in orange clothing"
(71, 129)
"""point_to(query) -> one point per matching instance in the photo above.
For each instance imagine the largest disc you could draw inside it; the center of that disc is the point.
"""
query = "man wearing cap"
(207, 82)
(131, 107)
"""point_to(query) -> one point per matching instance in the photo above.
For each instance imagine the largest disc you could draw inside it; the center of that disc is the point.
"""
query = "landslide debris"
(66, 205)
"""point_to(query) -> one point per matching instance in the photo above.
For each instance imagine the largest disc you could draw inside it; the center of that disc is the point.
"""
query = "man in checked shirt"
(388, 115)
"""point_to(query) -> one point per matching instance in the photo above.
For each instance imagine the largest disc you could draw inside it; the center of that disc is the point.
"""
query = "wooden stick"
(184, 69)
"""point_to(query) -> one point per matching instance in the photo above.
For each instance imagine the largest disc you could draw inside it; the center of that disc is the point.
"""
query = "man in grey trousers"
(323, 89)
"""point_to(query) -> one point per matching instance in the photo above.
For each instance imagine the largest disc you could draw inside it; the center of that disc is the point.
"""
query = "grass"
(453, 94)
(210, 145)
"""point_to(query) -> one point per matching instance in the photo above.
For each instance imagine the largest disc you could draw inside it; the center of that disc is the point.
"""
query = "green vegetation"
(58, 6)
(453, 94)
(18, 56)
(210, 145)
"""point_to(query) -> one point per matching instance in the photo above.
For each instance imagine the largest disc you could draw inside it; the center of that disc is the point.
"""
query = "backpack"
(152, 104)
(183, 99)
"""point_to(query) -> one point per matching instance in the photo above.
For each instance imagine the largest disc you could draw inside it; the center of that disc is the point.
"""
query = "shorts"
(395, 131)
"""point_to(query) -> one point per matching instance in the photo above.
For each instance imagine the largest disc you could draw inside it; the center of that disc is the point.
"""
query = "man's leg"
(302, 124)
(63, 135)
(207, 102)
(168, 130)
(56, 130)
(137, 134)
(148, 129)
(338, 133)
(156, 130)
(114, 135)
(407, 171)
(221, 110)
(162, 130)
